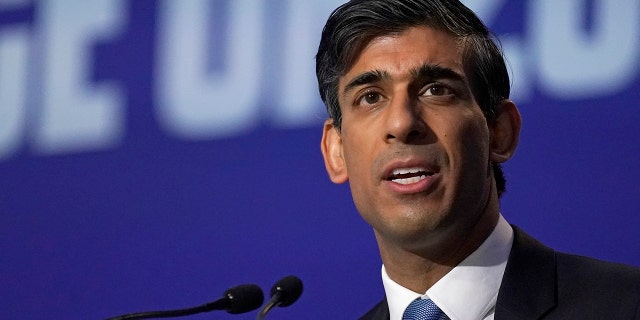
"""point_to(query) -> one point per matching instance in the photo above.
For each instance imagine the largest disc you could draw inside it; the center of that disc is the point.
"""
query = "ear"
(331, 147)
(505, 132)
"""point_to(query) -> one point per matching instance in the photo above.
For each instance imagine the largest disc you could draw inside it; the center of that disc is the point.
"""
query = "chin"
(413, 223)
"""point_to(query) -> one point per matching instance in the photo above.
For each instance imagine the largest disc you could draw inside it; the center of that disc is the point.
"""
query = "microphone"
(239, 299)
(283, 294)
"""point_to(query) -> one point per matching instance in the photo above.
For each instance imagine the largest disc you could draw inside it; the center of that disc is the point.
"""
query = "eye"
(436, 89)
(369, 97)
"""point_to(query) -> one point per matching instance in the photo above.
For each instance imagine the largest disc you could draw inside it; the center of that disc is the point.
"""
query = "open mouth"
(409, 175)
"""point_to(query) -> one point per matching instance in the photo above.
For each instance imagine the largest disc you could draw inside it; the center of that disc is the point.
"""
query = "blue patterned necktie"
(423, 309)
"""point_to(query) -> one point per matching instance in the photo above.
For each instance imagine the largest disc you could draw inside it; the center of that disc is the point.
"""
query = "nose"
(404, 121)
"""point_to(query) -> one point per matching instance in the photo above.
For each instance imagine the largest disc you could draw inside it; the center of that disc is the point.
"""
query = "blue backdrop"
(155, 153)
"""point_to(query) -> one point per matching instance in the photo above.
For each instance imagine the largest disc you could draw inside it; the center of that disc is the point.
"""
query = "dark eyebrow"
(365, 78)
(427, 71)
(433, 72)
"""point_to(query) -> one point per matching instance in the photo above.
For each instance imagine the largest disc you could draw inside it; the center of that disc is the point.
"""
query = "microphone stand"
(216, 305)
(239, 299)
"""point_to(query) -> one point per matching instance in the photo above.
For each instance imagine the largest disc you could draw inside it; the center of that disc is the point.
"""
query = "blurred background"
(154, 153)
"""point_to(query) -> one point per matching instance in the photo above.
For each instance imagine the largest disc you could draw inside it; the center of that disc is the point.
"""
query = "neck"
(419, 269)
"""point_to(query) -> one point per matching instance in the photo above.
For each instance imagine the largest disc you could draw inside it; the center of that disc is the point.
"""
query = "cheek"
(358, 157)
(475, 154)
(361, 191)
(468, 143)
(475, 139)
(358, 165)
(358, 146)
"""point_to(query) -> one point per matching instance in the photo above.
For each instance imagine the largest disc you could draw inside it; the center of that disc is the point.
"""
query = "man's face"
(414, 144)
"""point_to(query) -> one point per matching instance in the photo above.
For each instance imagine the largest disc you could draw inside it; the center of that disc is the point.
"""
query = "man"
(420, 121)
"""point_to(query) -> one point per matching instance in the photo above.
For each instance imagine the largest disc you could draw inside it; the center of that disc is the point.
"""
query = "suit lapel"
(528, 288)
(379, 312)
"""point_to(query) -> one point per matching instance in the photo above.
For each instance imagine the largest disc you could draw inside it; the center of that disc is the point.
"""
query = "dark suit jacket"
(540, 283)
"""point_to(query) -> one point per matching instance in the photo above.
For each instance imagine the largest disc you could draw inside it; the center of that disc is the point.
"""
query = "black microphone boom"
(284, 293)
(240, 299)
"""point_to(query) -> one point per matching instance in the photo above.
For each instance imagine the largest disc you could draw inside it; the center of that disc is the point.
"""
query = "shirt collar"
(468, 291)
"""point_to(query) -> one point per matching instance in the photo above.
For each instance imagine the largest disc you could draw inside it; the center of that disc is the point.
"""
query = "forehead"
(399, 54)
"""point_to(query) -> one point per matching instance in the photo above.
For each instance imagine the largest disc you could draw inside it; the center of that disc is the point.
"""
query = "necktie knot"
(423, 309)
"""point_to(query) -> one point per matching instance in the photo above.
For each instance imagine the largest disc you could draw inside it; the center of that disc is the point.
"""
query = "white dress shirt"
(470, 290)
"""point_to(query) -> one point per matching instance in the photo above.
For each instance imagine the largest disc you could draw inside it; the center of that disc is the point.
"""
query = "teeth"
(409, 175)
(407, 170)
(409, 180)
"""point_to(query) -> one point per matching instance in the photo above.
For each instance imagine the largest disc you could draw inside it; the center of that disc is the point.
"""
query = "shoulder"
(601, 289)
(584, 276)
(571, 270)
(566, 286)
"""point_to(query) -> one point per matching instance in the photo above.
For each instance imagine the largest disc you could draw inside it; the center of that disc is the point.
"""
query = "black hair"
(354, 24)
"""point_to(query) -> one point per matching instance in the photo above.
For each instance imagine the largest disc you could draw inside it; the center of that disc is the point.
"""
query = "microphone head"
(243, 298)
(288, 290)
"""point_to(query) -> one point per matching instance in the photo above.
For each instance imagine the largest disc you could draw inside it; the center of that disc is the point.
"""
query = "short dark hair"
(354, 24)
